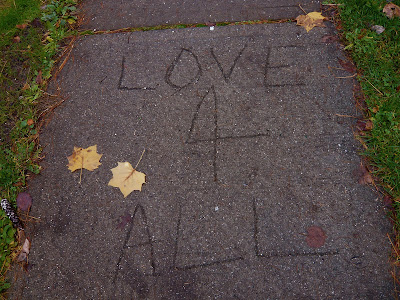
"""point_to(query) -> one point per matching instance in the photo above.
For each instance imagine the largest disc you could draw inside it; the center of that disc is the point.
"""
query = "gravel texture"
(246, 156)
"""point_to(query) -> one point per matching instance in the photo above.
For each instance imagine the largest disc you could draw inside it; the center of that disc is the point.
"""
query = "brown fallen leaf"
(27, 246)
(365, 125)
(365, 175)
(315, 237)
(16, 39)
(21, 26)
(24, 201)
(127, 179)
(391, 10)
(366, 179)
(369, 125)
(37, 23)
(311, 20)
(87, 159)
(388, 201)
(347, 65)
(375, 110)
(26, 86)
(362, 34)
(359, 96)
(39, 79)
(329, 39)
(23, 255)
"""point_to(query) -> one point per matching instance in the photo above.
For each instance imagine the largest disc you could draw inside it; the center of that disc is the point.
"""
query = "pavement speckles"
(237, 167)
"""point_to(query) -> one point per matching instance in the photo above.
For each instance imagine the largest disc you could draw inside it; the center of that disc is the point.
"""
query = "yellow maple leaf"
(127, 179)
(311, 20)
(87, 159)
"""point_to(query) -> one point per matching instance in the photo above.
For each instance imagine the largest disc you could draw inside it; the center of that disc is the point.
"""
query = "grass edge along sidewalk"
(32, 33)
(377, 60)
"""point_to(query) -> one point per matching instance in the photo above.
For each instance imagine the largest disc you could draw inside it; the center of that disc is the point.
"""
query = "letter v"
(227, 76)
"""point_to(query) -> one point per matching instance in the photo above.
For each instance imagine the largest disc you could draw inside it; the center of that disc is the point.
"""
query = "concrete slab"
(108, 14)
(245, 151)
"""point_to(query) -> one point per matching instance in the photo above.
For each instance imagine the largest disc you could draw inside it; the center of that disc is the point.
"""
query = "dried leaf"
(315, 237)
(363, 125)
(27, 246)
(362, 34)
(24, 201)
(126, 178)
(369, 125)
(330, 39)
(39, 79)
(366, 179)
(23, 255)
(391, 10)
(21, 26)
(26, 87)
(388, 201)
(87, 159)
(347, 65)
(37, 23)
(365, 176)
(378, 29)
(359, 96)
(311, 20)
(16, 39)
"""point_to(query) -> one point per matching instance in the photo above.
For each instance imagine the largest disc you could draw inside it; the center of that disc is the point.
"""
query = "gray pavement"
(245, 151)
(109, 14)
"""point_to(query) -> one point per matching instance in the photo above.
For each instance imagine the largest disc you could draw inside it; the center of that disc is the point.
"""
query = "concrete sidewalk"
(247, 154)
(109, 15)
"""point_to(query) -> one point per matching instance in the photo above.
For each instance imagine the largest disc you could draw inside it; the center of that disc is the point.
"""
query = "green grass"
(377, 58)
(27, 57)
(16, 12)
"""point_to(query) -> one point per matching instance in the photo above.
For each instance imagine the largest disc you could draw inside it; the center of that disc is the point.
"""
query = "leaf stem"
(140, 159)
(80, 175)
(374, 86)
(346, 116)
(302, 9)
